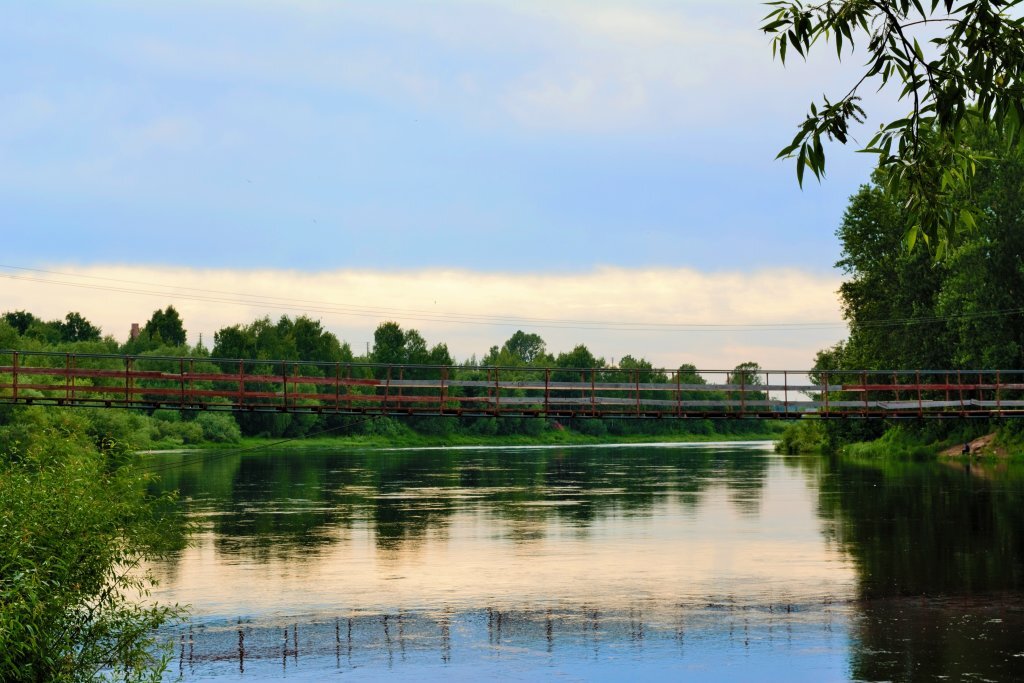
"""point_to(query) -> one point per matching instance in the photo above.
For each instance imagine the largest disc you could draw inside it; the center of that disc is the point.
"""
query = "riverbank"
(910, 441)
(410, 439)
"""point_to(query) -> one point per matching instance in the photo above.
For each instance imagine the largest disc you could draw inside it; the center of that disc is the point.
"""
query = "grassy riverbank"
(926, 440)
(770, 431)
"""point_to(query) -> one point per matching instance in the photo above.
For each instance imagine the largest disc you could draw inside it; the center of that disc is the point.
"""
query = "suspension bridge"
(283, 386)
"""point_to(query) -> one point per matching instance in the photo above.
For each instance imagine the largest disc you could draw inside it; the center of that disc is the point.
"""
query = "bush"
(164, 433)
(804, 436)
(435, 426)
(119, 426)
(219, 427)
(75, 523)
(384, 426)
(484, 426)
(590, 426)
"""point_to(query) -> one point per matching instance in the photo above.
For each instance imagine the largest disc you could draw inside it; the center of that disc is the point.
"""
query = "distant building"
(134, 334)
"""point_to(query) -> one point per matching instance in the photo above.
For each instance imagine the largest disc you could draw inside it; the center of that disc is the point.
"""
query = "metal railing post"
(785, 392)
(824, 392)
(547, 391)
(921, 409)
(241, 382)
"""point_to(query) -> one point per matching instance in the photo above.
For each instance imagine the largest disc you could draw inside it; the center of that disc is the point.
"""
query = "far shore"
(566, 437)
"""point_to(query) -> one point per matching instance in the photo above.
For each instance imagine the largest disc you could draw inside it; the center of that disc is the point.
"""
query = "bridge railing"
(150, 382)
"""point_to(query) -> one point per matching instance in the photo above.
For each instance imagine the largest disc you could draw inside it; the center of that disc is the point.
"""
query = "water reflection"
(940, 557)
(659, 640)
(278, 503)
(722, 562)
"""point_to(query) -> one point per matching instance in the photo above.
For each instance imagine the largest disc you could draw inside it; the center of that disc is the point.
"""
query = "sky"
(467, 168)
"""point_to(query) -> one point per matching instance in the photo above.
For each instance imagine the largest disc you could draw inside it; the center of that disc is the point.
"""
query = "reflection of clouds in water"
(513, 639)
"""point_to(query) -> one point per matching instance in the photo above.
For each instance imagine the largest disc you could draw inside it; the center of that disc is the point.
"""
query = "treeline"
(914, 308)
(304, 339)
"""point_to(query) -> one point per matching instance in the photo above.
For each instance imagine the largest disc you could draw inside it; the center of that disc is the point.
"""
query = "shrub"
(590, 426)
(75, 523)
(219, 427)
(435, 426)
(803, 436)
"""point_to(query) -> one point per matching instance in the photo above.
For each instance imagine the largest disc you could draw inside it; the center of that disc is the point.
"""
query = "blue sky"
(315, 136)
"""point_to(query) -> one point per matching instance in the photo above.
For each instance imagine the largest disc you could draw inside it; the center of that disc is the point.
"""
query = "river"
(654, 562)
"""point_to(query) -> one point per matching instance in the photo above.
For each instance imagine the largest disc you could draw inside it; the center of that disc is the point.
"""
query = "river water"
(655, 562)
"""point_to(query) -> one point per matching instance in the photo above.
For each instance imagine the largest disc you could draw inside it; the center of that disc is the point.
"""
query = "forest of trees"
(906, 308)
(304, 339)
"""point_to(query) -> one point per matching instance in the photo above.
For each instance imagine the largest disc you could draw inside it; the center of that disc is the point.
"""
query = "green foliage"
(165, 326)
(75, 524)
(298, 339)
(302, 339)
(972, 69)
(906, 311)
(435, 426)
(75, 328)
(8, 335)
(395, 346)
(384, 426)
(219, 428)
(519, 349)
(21, 321)
(590, 426)
(803, 436)
(579, 358)
(897, 443)
(484, 426)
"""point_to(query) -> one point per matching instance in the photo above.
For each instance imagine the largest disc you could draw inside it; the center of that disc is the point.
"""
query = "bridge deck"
(146, 382)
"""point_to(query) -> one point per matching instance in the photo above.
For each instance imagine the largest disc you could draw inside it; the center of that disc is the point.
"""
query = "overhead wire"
(311, 305)
(237, 298)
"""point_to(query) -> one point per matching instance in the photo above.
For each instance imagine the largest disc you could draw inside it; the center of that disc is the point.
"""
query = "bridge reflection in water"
(188, 383)
(675, 637)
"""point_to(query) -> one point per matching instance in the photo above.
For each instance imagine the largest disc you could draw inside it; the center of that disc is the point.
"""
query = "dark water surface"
(660, 562)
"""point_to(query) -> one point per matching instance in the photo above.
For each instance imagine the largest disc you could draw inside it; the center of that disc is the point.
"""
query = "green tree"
(21, 320)
(75, 524)
(165, 326)
(969, 67)
(388, 344)
(76, 328)
(527, 348)
(394, 346)
(748, 375)
(889, 295)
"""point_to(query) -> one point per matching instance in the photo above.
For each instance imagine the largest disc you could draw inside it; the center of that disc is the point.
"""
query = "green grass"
(410, 439)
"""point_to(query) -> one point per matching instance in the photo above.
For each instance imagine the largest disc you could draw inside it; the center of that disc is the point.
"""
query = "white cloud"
(614, 311)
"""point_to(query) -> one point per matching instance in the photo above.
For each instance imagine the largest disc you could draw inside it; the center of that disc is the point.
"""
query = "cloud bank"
(776, 317)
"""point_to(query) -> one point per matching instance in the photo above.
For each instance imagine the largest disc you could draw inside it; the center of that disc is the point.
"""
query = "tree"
(394, 346)
(525, 347)
(575, 361)
(166, 326)
(518, 350)
(905, 311)
(972, 69)
(388, 344)
(580, 358)
(889, 295)
(21, 320)
(75, 328)
(747, 375)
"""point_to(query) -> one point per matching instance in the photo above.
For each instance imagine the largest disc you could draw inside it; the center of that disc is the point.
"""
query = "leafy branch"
(972, 70)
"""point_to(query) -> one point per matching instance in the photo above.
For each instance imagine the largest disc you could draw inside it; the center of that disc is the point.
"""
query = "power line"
(215, 296)
(351, 310)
